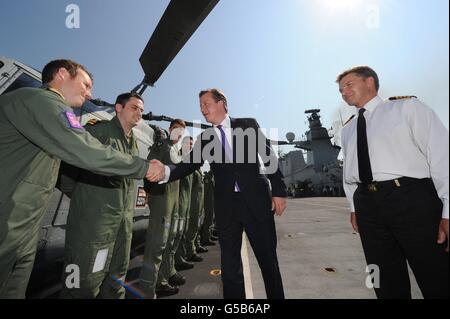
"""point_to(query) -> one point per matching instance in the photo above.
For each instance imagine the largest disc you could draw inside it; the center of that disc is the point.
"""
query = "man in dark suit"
(244, 200)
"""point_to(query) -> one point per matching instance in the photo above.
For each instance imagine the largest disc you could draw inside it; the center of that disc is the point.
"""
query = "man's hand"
(278, 205)
(443, 232)
(156, 171)
(353, 222)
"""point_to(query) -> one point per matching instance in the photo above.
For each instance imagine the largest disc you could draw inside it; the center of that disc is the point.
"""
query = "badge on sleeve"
(72, 120)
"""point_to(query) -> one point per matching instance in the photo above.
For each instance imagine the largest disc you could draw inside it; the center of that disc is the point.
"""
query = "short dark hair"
(49, 70)
(177, 121)
(217, 95)
(123, 98)
(363, 71)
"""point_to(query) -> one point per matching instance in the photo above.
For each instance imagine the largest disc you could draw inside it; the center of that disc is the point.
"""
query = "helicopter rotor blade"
(180, 20)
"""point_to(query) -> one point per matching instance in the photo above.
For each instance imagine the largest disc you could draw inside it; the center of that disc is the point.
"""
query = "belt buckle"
(372, 187)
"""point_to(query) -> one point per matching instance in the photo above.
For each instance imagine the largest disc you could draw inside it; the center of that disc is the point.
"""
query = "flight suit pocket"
(107, 223)
(31, 195)
(98, 258)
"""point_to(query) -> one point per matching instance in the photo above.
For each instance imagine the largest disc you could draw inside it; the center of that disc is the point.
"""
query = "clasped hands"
(156, 171)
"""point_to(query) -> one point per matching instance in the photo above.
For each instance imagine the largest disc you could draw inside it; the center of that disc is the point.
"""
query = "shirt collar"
(226, 123)
(116, 121)
(49, 88)
(372, 104)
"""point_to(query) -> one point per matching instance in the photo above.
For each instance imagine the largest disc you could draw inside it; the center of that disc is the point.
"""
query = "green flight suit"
(37, 130)
(183, 211)
(168, 258)
(163, 203)
(205, 232)
(195, 214)
(100, 222)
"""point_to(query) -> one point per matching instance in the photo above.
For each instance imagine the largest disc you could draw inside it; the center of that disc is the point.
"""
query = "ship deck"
(320, 257)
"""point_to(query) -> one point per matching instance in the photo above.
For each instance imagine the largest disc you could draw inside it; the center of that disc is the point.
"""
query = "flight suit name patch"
(73, 120)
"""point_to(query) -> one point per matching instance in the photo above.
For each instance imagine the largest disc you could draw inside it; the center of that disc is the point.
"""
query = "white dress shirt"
(406, 139)
(226, 126)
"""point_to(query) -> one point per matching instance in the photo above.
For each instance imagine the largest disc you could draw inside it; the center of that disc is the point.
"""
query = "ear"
(118, 107)
(62, 73)
(371, 82)
(223, 106)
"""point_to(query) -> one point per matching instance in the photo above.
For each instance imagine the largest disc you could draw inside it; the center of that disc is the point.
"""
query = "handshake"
(156, 171)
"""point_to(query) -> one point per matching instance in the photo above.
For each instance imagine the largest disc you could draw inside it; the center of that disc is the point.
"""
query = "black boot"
(177, 280)
(184, 266)
(195, 258)
(166, 290)
(201, 250)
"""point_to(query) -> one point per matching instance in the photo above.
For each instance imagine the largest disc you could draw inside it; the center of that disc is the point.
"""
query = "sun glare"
(340, 5)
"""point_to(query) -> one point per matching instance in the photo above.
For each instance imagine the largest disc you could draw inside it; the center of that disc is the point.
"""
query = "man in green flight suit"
(163, 201)
(100, 222)
(38, 129)
(184, 205)
(206, 230)
(196, 213)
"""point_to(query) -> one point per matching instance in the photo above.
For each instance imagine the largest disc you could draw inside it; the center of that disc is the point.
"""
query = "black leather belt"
(394, 183)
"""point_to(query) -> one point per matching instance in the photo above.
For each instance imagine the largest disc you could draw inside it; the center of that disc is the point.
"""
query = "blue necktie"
(228, 152)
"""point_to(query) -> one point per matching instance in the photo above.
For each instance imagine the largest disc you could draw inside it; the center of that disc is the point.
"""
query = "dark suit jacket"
(244, 170)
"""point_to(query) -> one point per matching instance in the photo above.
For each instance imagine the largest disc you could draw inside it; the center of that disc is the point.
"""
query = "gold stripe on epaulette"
(92, 121)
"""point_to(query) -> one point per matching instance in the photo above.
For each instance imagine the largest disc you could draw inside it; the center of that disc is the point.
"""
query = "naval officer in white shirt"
(396, 162)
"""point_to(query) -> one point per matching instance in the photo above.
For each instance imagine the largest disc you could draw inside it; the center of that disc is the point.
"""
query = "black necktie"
(365, 171)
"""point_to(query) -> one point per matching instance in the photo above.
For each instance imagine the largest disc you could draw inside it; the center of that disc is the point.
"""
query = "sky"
(274, 59)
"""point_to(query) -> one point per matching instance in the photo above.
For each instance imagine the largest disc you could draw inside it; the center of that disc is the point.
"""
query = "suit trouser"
(263, 239)
(400, 225)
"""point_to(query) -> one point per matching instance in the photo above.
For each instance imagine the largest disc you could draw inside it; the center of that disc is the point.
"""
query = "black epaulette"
(393, 98)
(92, 122)
(351, 117)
